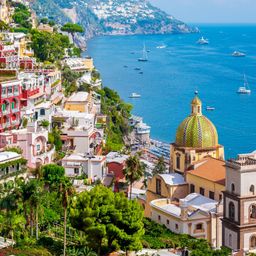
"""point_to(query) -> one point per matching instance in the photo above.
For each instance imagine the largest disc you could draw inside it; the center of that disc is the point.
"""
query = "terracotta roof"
(211, 169)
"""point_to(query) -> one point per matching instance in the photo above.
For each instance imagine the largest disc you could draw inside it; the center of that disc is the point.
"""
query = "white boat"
(203, 40)
(208, 108)
(135, 95)
(161, 46)
(144, 57)
(238, 54)
(244, 89)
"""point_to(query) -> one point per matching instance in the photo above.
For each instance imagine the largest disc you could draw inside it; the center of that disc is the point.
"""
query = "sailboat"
(144, 57)
(244, 89)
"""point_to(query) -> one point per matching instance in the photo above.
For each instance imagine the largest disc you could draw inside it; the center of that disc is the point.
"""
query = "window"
(232, 187)
(199, 226)
(176, 226)
(76, 170)
(231, 210)
(158, 186)
(178, 161)
(192, 188)
(38, 147)
(253, 242)
(252, 189)
(220, 197)
(9, 90)
(252, 210)
(42, 112)
(159, 217)
(13, 105)
(211, 195)
(202, 191)
(167, 222)
(230, 240)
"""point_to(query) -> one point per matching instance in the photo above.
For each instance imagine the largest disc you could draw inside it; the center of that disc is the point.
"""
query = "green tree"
(72, 28)
(110, 220)
(53, 174)
(66, 191)
(160, 166)
(134, 170)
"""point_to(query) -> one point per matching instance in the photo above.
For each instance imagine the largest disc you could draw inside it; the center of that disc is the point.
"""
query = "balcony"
(6, 112)
(198, 231)
(16, 93)
(10, 95)
(4, 95)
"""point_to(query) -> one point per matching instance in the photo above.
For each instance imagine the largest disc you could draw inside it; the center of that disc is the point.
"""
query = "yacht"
(161, 46)
(244, 89)
(203, 40)
(135, 95)
(238, 54)
(144, 57)
(209, 108)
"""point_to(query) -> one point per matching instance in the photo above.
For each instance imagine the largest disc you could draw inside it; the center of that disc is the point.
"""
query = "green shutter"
(13, 105)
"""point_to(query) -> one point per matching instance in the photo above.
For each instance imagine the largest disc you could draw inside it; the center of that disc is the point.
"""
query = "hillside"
(112, 17)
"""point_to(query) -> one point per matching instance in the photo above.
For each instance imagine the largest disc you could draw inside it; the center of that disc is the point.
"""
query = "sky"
(210, 11)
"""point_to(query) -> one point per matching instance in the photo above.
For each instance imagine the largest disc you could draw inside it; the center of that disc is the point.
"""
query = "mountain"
(112, 17)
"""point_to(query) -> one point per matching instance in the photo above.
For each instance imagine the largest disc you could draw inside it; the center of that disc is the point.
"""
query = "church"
(196, 138)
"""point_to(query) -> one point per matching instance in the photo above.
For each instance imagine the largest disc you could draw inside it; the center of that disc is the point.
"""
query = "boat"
(141, 72)
(125, 66)
(244, 89)
(144, 57)
(161, 47)
(135, 95)
(203, 40)
(137, 68)
(238, 54)
(209, 108)
(132, 52)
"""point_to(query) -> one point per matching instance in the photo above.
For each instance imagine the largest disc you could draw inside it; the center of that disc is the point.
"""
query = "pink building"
(9, 57)
(10, 95)
(33, 142)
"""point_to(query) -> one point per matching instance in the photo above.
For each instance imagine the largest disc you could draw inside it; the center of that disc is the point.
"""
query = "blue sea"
(172, 74)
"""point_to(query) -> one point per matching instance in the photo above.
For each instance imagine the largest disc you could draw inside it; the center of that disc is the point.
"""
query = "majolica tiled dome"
(196, 130)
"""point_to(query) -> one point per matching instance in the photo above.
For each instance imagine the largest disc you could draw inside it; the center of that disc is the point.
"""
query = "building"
(79, 101)
(80, 64)
(207, 177)
(239, 221)
(116, 164)
(11, 164)
(169, 185)
(4, 12)
(195, 215)
(196, 137)
(45, 28)
(33, 142)
(9, 56)
(92, 166)
(53, 83)
(10, 100)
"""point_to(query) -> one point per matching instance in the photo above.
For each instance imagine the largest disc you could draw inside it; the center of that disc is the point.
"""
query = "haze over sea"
(172, 74)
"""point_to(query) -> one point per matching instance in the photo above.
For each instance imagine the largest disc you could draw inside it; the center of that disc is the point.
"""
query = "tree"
(110, 220)
(72, 28)
(66, 190)
(160, 166)
(53, 175)
(134, 170)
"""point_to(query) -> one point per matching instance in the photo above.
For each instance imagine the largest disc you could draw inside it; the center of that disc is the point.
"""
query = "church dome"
(196, 131)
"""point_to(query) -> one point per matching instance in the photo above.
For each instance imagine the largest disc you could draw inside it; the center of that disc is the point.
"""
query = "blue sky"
(210, 11)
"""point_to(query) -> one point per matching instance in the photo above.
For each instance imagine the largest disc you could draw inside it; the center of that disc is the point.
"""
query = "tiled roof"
(211, 169)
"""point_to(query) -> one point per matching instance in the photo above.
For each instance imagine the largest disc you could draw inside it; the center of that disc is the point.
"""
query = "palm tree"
(66, 190)
(160, 166)
(86, 251)
(134, 170)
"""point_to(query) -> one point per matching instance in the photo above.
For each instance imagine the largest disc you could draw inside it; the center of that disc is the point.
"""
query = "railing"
(196, 231)
(4, 95)
(15, 110)
(16, 93)
(6, 112)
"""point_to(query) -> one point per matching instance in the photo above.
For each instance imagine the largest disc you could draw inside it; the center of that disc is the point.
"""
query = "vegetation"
(22, 16)
(118, 113)
(159, 237)
(72, 28)
(113, 221)
(160, 166)
(54, 139)
(49, 46)
(134, 170)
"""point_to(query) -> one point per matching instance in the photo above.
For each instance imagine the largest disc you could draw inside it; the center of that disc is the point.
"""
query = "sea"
(179, 68)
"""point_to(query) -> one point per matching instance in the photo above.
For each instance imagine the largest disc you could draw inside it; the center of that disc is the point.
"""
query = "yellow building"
(196, 138)
(207, 177)
(79, 101)
(88, 62)
(4, 12)
(45, 28)
(168, 185)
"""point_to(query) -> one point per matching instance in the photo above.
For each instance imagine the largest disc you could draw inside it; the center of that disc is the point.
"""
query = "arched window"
(231, 211)
(232, 187)
(252, 210)
(178, 161)
(253, 242)
(252, 189)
